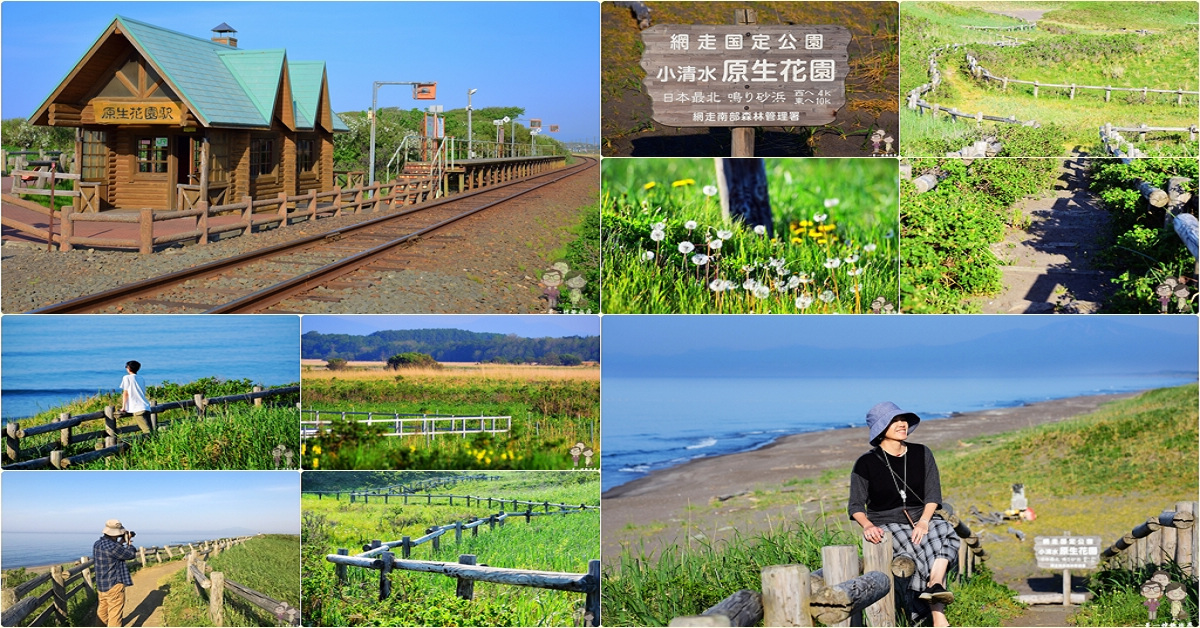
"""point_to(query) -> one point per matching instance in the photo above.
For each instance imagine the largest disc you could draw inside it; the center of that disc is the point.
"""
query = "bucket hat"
(113, 527)
(881, 416)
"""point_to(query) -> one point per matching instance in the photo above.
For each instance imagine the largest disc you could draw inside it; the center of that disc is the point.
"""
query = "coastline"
(666, 495)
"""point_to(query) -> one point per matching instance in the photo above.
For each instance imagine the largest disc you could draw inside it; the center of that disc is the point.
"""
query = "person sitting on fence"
(133, 396)
(896, 488)
(112, 575)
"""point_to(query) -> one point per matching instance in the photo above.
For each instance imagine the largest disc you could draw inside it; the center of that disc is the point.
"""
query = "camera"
(129, 534)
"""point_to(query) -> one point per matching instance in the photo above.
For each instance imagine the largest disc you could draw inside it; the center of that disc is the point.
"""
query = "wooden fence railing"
(214, 584)
(18, 604)
(107, 443)
(244, 216)
(984, 148)
(837, 594)
(376, 556)
(982, 73)
(1170, 536)
(916, 95)
(427, 425)
(411, 488)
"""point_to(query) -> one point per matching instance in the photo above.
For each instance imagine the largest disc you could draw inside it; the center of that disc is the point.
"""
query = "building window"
(306, 155)
(94, 166)
(152, 154)
(262, 156)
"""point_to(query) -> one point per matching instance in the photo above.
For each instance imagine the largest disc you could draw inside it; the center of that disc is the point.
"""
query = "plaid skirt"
(941, 542)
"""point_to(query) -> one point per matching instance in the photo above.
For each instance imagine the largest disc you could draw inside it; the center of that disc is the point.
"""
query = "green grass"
(232, 436)
(549, 416)
(1075, 43)
(857, 199)
(553, 543)
(269, 564)
(1118, 600)
(583, 256)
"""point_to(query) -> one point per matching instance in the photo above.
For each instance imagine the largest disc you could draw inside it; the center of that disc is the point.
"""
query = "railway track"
(281, 278)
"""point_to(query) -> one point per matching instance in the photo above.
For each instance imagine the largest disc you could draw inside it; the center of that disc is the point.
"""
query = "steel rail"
(90, 302)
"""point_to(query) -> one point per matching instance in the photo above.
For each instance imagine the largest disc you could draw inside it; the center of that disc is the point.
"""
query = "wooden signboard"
(747, 75)
(144, 112)
(1067, 552)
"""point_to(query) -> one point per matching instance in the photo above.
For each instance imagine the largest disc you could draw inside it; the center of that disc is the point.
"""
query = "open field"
(1075, 43)
(561, 543)
(268, 564)
(552, 408)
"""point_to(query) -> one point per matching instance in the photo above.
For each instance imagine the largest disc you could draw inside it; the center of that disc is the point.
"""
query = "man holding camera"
(112, 575)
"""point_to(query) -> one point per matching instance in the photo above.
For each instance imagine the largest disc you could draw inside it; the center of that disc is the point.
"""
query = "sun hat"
(112, 527)
(881, 416)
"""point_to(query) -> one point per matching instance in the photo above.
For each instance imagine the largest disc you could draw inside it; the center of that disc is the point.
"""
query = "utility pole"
(470, 147)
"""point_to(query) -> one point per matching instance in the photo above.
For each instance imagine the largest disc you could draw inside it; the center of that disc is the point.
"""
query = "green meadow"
(268, 564)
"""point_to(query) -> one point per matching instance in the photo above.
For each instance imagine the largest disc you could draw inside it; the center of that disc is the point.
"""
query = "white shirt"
(136, 389)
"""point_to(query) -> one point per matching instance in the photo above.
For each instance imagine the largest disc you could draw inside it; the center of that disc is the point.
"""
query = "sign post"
(766, 75)
(1067, 553)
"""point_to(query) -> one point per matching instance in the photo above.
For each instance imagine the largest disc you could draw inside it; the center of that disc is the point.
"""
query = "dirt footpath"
(143, 601)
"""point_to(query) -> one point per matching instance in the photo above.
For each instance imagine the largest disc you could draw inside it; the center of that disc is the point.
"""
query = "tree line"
(451, 345)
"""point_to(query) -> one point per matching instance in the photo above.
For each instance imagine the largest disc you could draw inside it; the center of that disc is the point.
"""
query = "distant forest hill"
(449, 345)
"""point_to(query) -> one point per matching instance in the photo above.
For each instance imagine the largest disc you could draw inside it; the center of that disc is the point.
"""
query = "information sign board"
(1067, 552)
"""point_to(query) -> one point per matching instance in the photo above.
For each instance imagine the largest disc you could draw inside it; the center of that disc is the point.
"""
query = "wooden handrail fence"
(19, 159)
(917, 102)
(1172, 200)
(421, 424)
(987, 147)
(377, 556)
(1171, 536)
(214, 584)
(107, 440)
(18, 604)
(982, 73)
(837, 594)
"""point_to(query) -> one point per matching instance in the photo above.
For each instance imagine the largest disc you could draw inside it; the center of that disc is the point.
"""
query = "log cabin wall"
(132, 189)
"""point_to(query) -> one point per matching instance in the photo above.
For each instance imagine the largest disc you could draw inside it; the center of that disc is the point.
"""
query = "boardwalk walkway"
(1049, 266)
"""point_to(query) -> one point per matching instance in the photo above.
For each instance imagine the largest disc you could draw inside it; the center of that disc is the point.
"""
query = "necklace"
(896, 481)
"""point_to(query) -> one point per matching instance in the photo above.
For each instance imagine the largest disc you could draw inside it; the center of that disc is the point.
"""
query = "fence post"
(64, 435)
(12, 441)
(839, 563)
(202, 220)
(457, 532)
(491, 520)
(110, 421)
(153, 416)
(248, 214)
(283, 209)
(405, 547)
(59, 592)
(216, 598)
(385, 581)
(66, 226)
(339, 568)
(201, 402)
(785, 591)
(466, 586)
(1185, 549)
(142, 555)
(87, 574)
(257, 400)
(878, 557)
(1035, 89)
(146, 231)
(437, 544)
(591, 604)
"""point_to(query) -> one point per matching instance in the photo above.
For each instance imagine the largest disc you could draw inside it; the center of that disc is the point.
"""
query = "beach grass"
(552, 543)
(552, 408)
(268, 564)
(1101, 473)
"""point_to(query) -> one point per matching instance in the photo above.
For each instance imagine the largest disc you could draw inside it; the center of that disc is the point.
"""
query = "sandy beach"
(637, 511)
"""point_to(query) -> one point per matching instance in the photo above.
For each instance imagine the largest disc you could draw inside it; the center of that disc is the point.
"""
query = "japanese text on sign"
(1067, 552)
(125, 112)
(701, 75)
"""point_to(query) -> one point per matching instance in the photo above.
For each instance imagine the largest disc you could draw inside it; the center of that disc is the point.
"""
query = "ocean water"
(31, 549)
(48, 360)
(656, 423)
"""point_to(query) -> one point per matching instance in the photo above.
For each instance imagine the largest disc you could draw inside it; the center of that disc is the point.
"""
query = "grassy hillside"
(268, 564)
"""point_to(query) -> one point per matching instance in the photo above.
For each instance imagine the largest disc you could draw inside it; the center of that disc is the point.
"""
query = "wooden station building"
(165, 119)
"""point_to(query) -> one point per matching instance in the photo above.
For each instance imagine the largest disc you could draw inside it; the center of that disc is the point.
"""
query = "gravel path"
(488, 263)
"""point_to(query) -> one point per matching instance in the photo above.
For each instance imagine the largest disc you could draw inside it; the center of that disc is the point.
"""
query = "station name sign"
(1067, 552)
(747, 75)
(144, 112)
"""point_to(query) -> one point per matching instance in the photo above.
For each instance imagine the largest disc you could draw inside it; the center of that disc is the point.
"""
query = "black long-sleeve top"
(873, 489)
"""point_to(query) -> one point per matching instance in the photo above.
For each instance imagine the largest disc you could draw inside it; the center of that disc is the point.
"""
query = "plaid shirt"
(110, 558)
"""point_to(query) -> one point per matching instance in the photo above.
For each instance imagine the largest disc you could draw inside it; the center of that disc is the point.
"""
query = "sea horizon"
(653, 424)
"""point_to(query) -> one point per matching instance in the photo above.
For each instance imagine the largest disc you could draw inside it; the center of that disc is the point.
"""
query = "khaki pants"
(143, 421)
(112, 605)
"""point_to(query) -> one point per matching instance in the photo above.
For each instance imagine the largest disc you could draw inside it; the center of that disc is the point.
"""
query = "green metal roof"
(227, 86)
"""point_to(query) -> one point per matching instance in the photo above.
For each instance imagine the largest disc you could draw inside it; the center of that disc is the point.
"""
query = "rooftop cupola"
(225, 34)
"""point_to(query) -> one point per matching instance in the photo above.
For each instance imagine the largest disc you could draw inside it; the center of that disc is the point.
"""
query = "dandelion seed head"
(689, 225)
(659, 226)
(820, 217)
(793, 282)
(851, 259)
(832, 202)
(715, 245)
(699, 259)
(761, 292)
(804, 278)
(760, 229)
(658, 235)
(870, 248)
(749, 285)
(803, 301)
(857, 271)
(686, 247)
(724, 234)
(647, 255)
(826, 296)
(833, 262)
(710, 190)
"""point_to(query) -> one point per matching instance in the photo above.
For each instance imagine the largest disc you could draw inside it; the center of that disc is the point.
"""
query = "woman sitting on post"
(895, 488)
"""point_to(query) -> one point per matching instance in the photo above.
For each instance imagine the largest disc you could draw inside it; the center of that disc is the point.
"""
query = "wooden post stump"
(785, 596)
(59, 591)
(840, 563)
(216, 598)
(465, 590)
(385, 572)
(340, 569)
(878, 557)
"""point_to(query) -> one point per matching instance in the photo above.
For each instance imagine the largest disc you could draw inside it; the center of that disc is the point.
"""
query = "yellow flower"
(412, 448)
(303, 448)
(649, 185)
(812, 233)
(797, 241)
(317, 449)
(316, 462)
(488, 460)
(826, 228)
(682, 182)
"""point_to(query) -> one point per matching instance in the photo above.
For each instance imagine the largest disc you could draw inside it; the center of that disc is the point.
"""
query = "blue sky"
(890, 345)
(198, 502)
(543, 56)
(524, 325)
